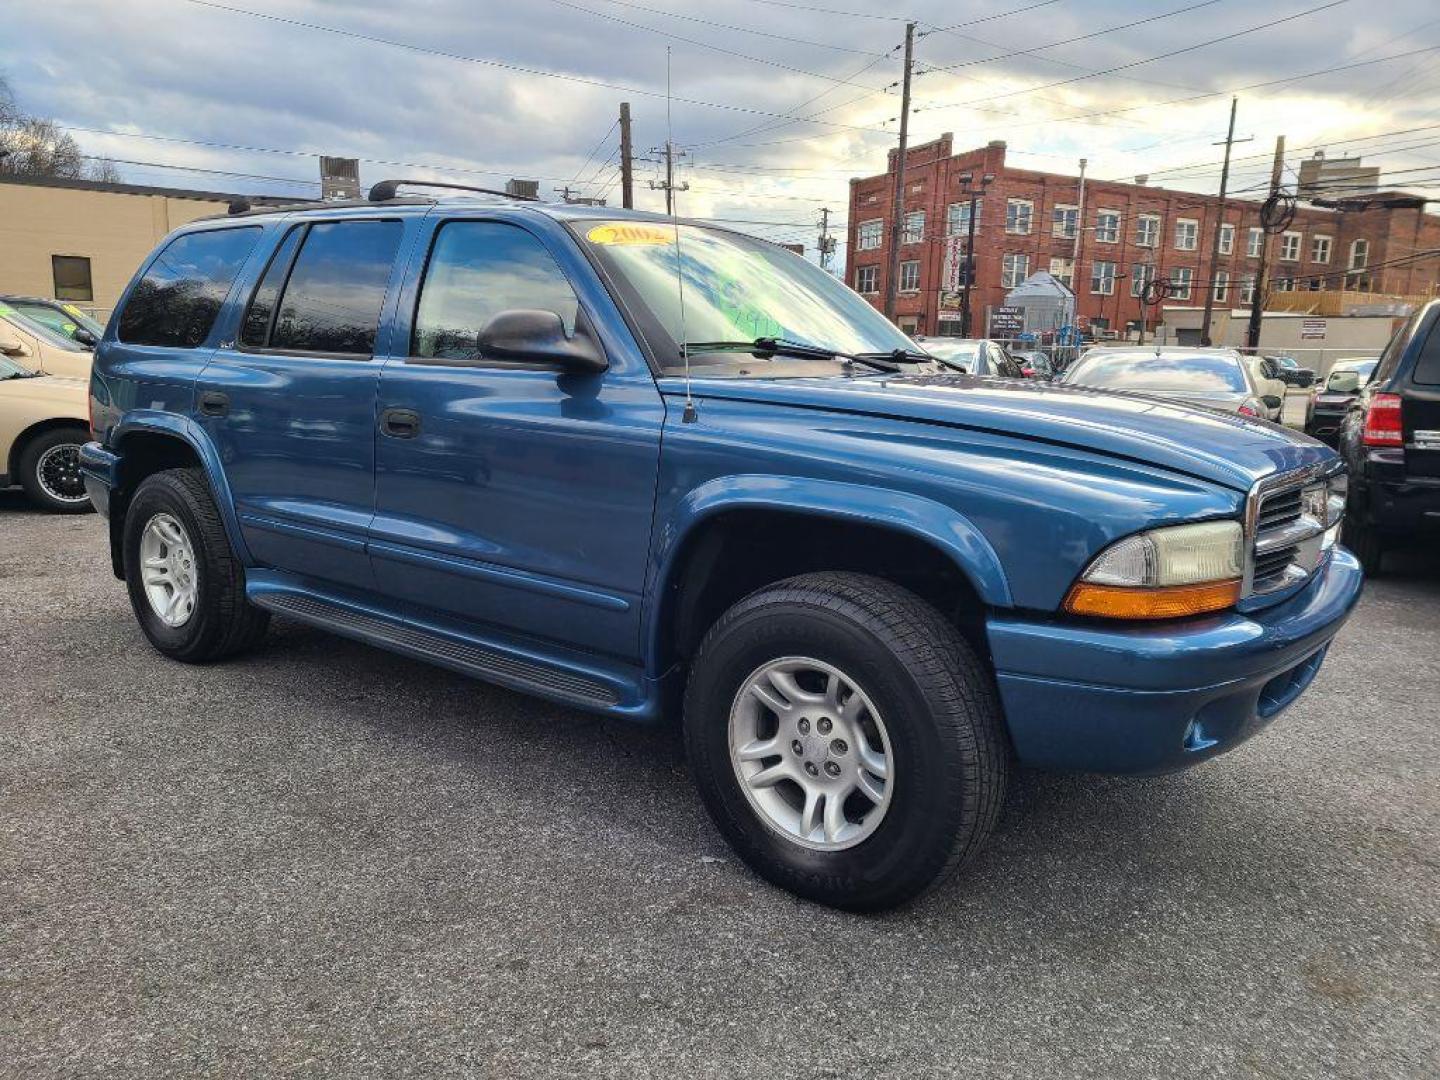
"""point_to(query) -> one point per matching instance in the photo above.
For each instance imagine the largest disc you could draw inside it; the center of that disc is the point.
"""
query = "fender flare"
(184, 429)
(942, 526)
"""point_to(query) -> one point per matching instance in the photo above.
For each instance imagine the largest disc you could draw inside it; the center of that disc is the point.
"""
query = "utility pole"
(967, 268)
(897, 200)
(668, 185)
(1262, 275)
(827, 243)
(627, 174)
(1219, 224)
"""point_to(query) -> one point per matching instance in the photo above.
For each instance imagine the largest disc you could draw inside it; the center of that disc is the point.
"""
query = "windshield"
(62, 319)
(735, 289)
(38, 330)
(1360, 371)
(956, 352)
(1185, 374)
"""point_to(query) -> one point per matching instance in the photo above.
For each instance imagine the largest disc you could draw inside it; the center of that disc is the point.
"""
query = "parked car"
(67, 320)
(1290, 371)
(973, 356)
(1267, 380)
(1327, 404)
(40, 348)
(483, 434)
(1219, 379)
(42, 427)
(1034, 364)
(1390, 437)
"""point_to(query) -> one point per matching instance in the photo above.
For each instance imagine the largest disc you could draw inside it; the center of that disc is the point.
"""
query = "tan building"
(81, 241)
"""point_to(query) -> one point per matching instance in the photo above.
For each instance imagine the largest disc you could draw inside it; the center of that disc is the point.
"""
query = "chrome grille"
(1284, 542)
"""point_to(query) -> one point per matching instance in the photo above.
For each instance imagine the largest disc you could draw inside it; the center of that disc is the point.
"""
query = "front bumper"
(1164, 696)
(99, 467)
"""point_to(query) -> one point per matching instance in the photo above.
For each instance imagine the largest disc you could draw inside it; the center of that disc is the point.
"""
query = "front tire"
(185, 584)
(50, 471)
(846, 740)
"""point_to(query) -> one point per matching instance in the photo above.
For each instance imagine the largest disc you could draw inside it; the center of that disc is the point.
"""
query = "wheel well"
(737, 552)
(23, 439)
(142, 454)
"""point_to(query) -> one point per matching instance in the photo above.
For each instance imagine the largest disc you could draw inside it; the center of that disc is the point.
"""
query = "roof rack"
(385, 190)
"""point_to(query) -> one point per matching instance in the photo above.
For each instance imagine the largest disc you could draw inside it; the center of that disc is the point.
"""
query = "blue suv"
(659, 469)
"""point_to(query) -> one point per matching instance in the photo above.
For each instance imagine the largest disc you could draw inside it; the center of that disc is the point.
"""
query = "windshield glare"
(1192, 374)
(735, 289)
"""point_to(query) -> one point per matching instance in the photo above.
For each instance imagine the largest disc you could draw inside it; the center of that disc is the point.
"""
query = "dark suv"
(655, 468)
(1390, 438)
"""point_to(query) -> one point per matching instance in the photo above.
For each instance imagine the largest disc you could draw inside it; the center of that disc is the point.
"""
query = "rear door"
(289, 401)
(1420, 403)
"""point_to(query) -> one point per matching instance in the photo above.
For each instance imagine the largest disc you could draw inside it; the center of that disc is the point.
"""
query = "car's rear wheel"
(50, 471)
(846, 739)
(185, 584)
(1366, 542)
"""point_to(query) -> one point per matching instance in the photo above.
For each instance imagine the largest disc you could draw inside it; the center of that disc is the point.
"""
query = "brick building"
(1127, 234)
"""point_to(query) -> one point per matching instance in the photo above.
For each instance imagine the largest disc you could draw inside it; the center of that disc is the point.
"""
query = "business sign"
(1006, 321)
(1312, 329)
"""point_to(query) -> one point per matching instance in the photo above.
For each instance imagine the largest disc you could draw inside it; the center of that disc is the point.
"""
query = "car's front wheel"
(846, 739)
(185, 584)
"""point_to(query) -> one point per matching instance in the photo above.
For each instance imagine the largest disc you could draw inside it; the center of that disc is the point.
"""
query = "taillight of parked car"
(1028, 372)
(1252, 408)
(1382, 421)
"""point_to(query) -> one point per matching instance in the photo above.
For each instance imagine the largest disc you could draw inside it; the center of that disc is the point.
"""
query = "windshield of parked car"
(1197, 373)
(736, 289)
(957, 353)
(38, 330)
(63, 319)
(1360, 371)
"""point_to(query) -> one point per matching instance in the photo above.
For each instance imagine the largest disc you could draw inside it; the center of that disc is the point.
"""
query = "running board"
(507, 668)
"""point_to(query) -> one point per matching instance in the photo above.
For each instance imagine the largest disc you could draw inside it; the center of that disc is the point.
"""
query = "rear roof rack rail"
(385, 190)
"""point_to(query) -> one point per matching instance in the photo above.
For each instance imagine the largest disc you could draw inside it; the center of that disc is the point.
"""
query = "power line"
(591, 156)
(739, 29)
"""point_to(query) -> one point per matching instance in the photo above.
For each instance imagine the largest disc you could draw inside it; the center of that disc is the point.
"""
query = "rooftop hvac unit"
(525, 189)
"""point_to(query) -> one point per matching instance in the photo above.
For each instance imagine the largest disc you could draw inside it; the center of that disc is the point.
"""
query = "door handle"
(214, 403)
(400, 423)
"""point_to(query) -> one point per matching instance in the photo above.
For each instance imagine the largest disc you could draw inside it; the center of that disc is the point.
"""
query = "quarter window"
(868, 235)
(176, 302)
(72, 277)
(477, 270)
(332, 297)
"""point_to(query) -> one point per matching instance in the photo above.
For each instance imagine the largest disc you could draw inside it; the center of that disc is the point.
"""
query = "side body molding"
(174, 425)
(916, 515)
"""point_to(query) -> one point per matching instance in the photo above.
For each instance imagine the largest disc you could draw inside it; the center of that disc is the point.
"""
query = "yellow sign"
(618, 233)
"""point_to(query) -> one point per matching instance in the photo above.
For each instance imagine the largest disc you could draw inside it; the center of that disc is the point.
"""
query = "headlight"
(1164, 573)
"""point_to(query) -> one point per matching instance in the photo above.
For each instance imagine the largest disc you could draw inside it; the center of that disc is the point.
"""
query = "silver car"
(1219, 379)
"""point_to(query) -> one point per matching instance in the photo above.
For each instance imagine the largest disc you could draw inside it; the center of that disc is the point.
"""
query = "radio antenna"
(689, 415)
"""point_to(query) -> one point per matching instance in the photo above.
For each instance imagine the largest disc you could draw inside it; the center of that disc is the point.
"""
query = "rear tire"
(1366, 543)
(50, 471)
(934, 730)
(185, 584)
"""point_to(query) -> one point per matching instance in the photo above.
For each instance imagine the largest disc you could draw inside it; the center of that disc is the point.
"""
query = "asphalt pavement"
(323, 860)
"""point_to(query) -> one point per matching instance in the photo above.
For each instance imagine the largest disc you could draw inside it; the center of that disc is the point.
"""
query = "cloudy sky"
(777, 102)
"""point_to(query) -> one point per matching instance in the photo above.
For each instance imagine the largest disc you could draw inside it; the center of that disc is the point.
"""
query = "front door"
(511, 494)
(290, 403)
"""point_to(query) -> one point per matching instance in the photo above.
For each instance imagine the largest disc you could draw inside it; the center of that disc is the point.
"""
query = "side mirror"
(81, 336)
(539, 337)
(1273, 402)
(10, 343)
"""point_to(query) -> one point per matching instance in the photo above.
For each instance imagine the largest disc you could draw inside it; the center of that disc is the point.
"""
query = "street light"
(967, 268)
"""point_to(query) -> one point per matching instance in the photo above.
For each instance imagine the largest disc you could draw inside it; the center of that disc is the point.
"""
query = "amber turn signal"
(1167, 602)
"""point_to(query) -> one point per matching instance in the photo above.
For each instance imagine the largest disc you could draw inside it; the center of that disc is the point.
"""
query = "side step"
(445, 649)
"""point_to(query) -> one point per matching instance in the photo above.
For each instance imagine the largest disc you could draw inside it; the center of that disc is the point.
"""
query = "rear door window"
(330, 296)
(176, 302)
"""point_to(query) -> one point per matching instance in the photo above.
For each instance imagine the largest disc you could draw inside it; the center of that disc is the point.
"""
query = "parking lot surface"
(321, 859)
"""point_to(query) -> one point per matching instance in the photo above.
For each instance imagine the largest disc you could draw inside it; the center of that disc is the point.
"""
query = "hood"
(70, 397)
(1225, 449)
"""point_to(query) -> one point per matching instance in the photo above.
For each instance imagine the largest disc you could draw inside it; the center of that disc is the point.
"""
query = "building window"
(1359, 254)
(1064, 221)
(1107, 227)
(1180, 280)
(1147, 230)
(1187, 234)
(1018, 215)
(957, 218)
(1222, 286)
(1102, 277)
(869, 235)
(72, 277)
(1290, 247)
(914, 227)
(1063, 270)
(1141, 274)
(1227, 239)
(1014, 269)
(910, 276)
(1247, 289)
(1320, 249)
(1285, 284)
(1253, 241)
(867, 279)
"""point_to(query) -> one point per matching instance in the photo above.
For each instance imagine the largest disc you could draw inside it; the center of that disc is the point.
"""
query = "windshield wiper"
(765, 348)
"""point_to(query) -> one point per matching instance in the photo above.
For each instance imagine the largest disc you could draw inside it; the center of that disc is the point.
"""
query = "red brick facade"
(1183, 225)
